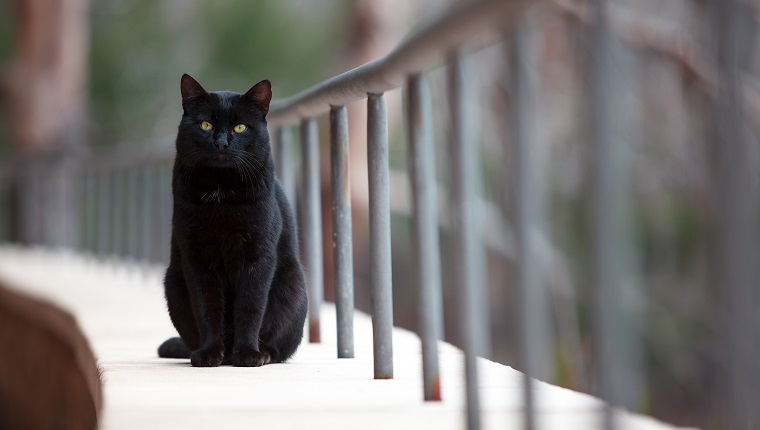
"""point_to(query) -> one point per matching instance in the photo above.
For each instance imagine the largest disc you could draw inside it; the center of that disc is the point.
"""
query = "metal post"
(736, 202)
(89, 228)
(528, 147)
(147, 185)
(341, 218)
(312, 218)
(380, 237)
(117, 212)
(604, 273)
(166, 204)
(133, 219)
(425, 230)
(284, 162)
(467, 219)
(610, 246)
(104, 213)
(156, 230)
(29, 189)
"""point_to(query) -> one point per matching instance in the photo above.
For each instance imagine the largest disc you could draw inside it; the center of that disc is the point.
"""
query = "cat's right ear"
(191, 90)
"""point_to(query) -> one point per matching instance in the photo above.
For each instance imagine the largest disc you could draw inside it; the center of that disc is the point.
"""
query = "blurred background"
(89, 89)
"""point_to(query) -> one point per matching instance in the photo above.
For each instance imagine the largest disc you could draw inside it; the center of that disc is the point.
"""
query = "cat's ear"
(191, 89)
(260, 95)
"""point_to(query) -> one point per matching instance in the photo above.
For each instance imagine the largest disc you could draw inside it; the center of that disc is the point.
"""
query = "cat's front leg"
(207, 296)
(252, 290)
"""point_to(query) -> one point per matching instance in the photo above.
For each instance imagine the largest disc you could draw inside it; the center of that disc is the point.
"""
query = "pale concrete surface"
(122, 311)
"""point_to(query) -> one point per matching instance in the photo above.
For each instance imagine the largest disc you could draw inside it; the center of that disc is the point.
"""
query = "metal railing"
(468, 25)
(126, 206)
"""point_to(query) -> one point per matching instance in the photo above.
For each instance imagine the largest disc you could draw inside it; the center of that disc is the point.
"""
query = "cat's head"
(223, 128)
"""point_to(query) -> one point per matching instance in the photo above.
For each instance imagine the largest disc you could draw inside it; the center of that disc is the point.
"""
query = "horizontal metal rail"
(468, 25)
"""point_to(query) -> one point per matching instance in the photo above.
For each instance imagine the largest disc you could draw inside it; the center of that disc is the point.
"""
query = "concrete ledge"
(121, 309)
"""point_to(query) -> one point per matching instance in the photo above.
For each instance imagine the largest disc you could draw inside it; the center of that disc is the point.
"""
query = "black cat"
(234, 286)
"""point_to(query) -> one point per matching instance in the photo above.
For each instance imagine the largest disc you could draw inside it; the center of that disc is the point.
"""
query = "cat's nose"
(222, 143)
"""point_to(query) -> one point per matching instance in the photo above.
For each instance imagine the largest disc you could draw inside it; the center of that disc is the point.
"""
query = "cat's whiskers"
(260, 169)
(252, 167)
(189, 162)
(240, 167)
(253, 173)
(248, 175)
(240, 173)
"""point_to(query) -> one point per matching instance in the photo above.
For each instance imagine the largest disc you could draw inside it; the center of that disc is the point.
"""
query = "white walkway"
(121, 310)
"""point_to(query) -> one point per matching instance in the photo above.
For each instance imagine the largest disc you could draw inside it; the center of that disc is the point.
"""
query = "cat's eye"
(206, 125)
(240, 128)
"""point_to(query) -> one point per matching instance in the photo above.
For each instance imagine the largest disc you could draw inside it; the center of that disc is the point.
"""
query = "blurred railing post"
(527, 176)
(471, 273)
(89, 209)
(605, 276)
(154, 229)
(104, 210)
(284, 163)
(147, 203)
(380, 237)
(116, 213)
(341, 240)
(736, 210)
(615, 351)
(165, 209)
(29, 179)
(312, 219)
(465, 156)
(133, 212)
(425, 243)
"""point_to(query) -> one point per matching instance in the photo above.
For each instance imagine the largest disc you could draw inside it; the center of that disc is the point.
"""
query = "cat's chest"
(224, 224)
(231, 244)
(217, 196)
(225, 227)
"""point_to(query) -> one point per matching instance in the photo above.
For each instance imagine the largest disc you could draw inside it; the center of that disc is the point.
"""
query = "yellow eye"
(206, 125)
(240, 128)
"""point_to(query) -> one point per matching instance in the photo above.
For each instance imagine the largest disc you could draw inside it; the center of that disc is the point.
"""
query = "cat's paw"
(210, 356)
(248, 357)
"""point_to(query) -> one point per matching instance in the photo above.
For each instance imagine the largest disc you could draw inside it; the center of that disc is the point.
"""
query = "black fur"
(234, 286)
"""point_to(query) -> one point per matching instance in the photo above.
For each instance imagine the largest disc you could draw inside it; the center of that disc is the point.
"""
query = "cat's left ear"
(260, 95)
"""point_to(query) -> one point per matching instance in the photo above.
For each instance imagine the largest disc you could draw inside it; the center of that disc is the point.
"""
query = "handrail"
(469, 24)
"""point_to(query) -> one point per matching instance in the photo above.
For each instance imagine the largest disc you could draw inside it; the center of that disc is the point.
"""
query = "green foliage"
(5, 51)
(128, 54)
(140, 49)
(6, 30)
(250, 41)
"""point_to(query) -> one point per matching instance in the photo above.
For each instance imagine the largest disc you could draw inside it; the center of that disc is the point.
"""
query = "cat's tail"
(173, 348)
